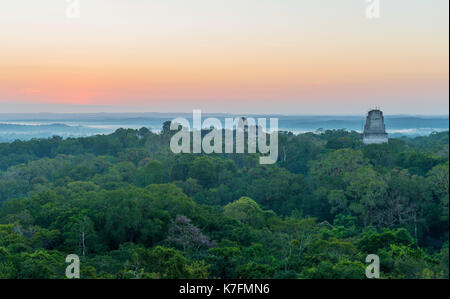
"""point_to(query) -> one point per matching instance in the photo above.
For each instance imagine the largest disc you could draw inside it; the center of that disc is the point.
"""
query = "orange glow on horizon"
(103, 59)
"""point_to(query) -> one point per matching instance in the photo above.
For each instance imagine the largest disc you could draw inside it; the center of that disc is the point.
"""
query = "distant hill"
(43, 125)
(11, 132)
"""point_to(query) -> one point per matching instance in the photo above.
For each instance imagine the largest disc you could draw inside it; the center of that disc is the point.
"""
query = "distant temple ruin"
(375, 129)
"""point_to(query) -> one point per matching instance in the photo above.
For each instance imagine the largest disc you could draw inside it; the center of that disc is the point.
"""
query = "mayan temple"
(375, 129)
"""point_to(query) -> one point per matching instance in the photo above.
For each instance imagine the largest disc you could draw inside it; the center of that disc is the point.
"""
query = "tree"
(344, 269)
(152, 173)
(438, 180)
(167, 263)
(41, 265)
(80, 235)
(372, 241)
(203, 170)
(337, 168)
(245, 210)
(7, 268)
(185, 235)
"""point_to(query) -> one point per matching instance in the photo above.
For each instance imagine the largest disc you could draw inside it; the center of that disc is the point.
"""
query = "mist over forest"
(44, 125)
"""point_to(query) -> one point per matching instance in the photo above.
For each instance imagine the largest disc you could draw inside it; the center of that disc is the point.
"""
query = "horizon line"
(217, 113)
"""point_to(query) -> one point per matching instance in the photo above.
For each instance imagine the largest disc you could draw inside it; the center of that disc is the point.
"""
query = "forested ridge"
(130, 208)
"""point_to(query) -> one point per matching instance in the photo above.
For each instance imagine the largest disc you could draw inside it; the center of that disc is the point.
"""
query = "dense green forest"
(130, 208)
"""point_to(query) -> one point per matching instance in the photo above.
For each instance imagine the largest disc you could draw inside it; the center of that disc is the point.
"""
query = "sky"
(233, 56)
